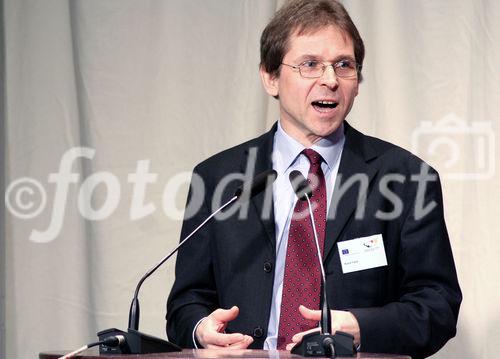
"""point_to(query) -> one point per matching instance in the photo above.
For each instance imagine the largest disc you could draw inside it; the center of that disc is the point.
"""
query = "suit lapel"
(263, 161)
(354, 169)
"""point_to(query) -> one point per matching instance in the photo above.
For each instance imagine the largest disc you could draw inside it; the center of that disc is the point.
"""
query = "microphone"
(322, 343)
(300, 186)
(139, 343)
(257, 184)
(246, 191)
(303, 191)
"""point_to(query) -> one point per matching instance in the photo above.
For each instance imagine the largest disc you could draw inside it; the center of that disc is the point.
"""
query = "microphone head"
(257, 184)
(300, 186)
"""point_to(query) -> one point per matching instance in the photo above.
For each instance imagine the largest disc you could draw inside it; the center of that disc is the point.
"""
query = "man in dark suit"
(391, 279)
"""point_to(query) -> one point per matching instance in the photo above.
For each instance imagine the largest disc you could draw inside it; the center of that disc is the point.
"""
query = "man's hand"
(341, 320)
(210, 332)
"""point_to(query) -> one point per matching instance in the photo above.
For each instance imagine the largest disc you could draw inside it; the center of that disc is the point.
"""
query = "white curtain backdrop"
(121, 91)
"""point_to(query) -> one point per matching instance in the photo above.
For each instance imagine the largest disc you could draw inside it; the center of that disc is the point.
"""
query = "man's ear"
(270, 82)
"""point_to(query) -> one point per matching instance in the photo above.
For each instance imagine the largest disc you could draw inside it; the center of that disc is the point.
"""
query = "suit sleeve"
(193, 294)
(425, 316)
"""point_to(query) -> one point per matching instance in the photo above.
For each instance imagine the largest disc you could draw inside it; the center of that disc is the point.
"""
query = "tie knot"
(313, 156)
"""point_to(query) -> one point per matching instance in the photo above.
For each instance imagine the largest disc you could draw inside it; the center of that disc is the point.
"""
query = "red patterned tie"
(302, 278)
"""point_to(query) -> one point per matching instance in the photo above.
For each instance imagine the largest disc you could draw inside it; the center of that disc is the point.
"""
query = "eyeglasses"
(312, 69)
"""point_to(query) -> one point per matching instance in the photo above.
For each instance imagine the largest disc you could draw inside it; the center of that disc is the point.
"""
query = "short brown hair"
(305, 16)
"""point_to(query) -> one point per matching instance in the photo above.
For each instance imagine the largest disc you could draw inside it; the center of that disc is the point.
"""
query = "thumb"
(309, 313)
(226, 315)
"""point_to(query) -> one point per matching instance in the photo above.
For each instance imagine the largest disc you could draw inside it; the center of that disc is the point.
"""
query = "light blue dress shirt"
(286, 158)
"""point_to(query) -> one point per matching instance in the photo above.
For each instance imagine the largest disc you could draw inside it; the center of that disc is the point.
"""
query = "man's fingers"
(227, 342)
(222, 339)
(247, 340)
(298, 337)
(290, 346)
(210, 330)
(225, 315)
(236, 346)
(309, 313)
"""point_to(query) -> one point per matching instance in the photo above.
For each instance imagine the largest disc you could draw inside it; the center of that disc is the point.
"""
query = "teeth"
(326, 102)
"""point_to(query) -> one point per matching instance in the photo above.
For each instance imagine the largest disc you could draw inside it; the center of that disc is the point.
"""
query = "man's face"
(306, 109)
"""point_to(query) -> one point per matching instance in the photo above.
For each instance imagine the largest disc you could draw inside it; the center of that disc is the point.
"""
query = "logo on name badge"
(345, 251)
(371, 243)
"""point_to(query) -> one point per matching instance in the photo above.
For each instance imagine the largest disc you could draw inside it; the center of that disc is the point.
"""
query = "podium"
(209, 354)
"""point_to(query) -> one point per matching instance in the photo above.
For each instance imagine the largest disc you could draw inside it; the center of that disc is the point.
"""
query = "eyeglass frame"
(324, 66)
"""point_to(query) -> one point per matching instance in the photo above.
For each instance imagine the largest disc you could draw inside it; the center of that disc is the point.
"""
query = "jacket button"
(258, 332)
(268, 267)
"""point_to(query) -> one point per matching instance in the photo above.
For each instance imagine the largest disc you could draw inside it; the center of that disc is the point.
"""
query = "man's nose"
(329, 77)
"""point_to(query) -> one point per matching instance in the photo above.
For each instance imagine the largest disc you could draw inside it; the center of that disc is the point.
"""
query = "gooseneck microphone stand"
(139, 343)
(322, 343)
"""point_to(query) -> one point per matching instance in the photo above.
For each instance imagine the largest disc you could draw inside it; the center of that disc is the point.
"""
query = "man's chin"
(326, 130)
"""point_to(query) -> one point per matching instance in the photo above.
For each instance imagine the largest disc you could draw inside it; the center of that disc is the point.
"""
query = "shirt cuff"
(195, 342)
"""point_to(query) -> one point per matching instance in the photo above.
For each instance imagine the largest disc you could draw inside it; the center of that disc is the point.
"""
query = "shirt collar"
(287, 149)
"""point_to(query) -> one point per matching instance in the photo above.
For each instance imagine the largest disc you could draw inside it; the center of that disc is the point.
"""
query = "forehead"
(327, 43)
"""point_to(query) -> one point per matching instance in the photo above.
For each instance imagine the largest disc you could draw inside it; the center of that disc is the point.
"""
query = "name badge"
(362, 253)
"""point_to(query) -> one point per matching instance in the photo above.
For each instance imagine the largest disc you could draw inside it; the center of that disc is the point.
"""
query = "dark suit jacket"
(409, 306)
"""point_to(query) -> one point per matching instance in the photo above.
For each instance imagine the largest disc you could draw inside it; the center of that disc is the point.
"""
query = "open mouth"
(324, 105)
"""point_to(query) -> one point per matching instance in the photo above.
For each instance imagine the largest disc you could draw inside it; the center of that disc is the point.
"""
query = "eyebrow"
(337, 58)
